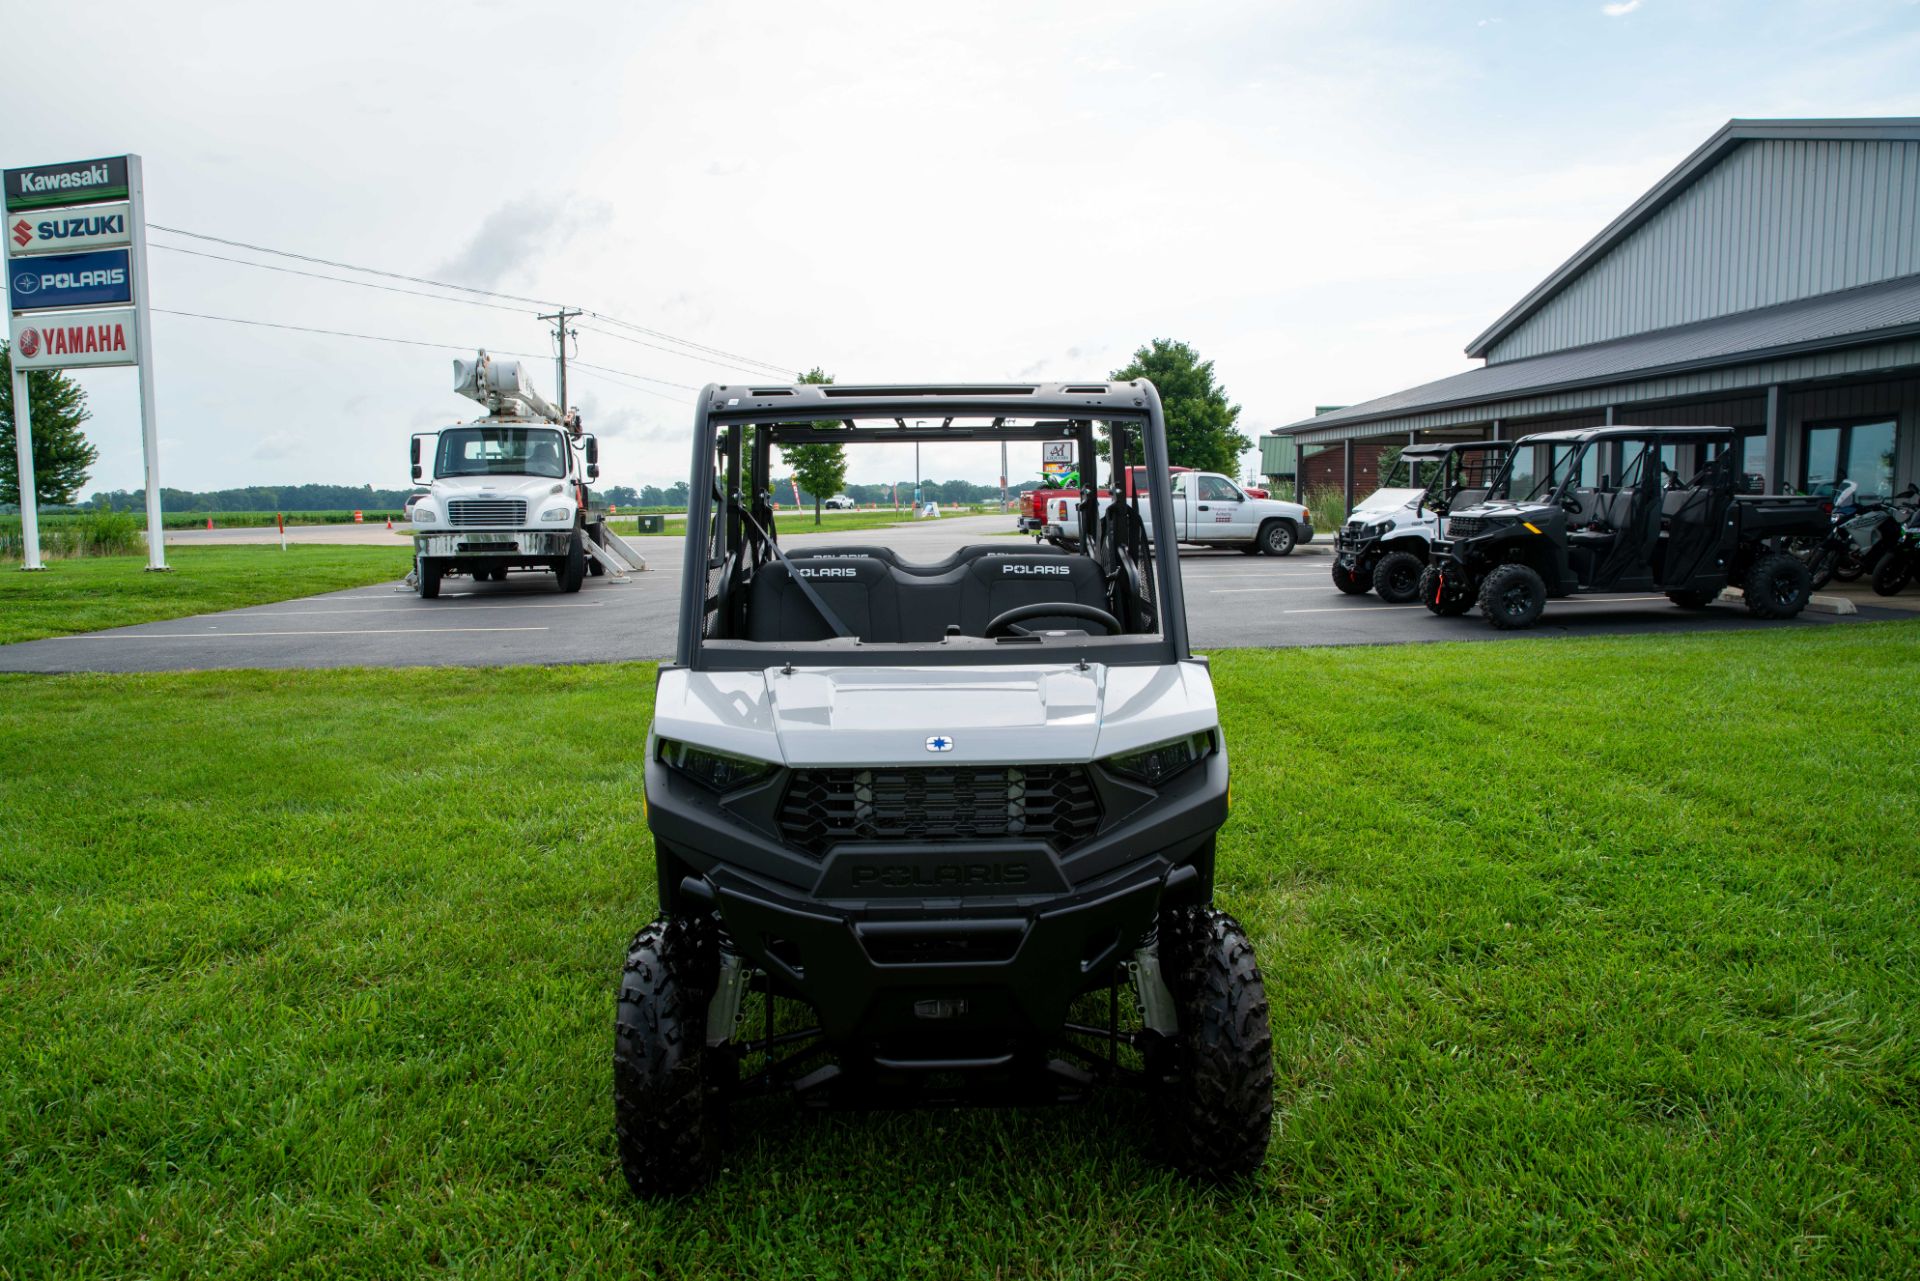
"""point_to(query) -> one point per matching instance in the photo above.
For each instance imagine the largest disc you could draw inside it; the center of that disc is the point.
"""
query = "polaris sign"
(70, 184)
(65, 230)
(70, 280)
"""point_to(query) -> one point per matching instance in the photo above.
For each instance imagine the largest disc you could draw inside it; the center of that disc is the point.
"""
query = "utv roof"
(1621, 432)
(944, 401)
(1420, 453)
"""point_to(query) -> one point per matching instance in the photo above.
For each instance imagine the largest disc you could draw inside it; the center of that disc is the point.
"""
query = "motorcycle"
(1901, 564)
(1864, 531)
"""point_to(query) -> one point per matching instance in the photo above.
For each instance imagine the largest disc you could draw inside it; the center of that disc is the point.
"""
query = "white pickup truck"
(1212, 511)
(508, 491)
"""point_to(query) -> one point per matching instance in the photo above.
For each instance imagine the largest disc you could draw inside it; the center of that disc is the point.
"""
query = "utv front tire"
(1396, 579)
(1351, 581)
(669, 1123)
(1216, 1114)
(1443, 596)
(1513, 597)
(1778, 586)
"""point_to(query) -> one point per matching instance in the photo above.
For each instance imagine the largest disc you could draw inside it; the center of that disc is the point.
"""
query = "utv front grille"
(487, 511)
(828, 807)
(1466, 526)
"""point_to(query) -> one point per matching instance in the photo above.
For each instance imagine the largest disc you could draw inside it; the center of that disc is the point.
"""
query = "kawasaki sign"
(81, 182)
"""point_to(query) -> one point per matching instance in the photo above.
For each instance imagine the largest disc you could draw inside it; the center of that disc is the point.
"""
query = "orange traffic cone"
(209, 522)
(389, 524)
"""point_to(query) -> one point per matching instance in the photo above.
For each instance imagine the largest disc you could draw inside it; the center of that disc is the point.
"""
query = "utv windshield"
(502, 451)
(942, 582)
(1535, 473)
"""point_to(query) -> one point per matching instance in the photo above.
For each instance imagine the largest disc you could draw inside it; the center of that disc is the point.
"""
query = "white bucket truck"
(509, 491)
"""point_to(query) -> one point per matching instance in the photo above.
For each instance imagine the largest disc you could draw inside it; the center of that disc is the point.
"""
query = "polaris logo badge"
(939, 743)
(1035, 569)
(829, 573)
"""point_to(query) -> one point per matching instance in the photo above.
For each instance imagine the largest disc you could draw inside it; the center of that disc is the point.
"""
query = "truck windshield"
(502, 451)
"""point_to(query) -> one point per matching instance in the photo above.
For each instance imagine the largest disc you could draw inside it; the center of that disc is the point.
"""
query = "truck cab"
(504, 492)
(1209, 510)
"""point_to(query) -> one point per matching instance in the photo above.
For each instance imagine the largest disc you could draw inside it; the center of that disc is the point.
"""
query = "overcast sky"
(1327, 199)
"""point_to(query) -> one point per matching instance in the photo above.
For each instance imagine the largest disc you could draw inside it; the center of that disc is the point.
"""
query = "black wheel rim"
(1784, 588)
(1403, 581)
(1516, 600)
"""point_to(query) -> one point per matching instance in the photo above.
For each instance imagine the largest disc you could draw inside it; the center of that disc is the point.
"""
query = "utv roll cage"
(732, 535)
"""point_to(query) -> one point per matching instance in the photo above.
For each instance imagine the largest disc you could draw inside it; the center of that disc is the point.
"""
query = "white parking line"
(408, 609)
(1553, 604)
(1241, 591)
(368, 631)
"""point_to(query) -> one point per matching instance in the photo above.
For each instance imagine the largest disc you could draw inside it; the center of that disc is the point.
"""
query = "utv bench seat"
(882, 604)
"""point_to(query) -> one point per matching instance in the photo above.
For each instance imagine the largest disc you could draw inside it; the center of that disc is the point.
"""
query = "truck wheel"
(598, 533)
(1693, 599)
(669, 1122)
(1447, 597)
(1514, 597)
(573, 569)
(1351, 581)
(1396, 579)
(426, 577)
(1892, 574)
(1778, 586)
(1216, 1114)
(1276, 538)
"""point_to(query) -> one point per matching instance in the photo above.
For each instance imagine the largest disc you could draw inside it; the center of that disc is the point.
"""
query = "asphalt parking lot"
(1233, 601)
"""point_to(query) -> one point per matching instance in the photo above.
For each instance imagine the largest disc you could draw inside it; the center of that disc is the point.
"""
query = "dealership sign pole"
(76, 272)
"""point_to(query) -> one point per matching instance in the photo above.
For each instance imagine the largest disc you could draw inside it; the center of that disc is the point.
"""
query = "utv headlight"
(1155, 765)
(721, 771)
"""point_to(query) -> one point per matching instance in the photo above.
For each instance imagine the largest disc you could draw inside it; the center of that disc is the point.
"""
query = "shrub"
(1329, 508)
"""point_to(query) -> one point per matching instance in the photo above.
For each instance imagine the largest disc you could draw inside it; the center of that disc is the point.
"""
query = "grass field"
(1597, 957)
(87, 594)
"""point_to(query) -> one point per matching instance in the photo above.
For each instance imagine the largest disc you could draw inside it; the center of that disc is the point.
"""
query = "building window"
(1835, 453)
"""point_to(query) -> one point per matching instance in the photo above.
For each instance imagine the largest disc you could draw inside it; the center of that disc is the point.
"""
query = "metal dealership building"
(1770, 283)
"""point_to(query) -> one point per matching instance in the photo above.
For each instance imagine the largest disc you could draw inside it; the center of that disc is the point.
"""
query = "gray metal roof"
(1708, 154)
(1870, 313)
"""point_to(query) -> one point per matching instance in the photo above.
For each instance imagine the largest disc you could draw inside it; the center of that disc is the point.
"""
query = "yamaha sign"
(81, 338)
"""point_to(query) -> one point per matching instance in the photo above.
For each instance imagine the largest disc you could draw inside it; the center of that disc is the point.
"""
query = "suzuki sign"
(65, 230)
(70, 280)
(83, 338)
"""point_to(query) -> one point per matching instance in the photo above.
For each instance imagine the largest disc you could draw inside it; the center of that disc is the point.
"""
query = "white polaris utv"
(934, 831)
(1387, 542)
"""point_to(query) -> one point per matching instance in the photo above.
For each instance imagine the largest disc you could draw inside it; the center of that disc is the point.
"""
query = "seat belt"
(806, 588)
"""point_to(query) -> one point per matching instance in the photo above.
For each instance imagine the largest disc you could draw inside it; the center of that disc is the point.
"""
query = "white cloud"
(1620, 9)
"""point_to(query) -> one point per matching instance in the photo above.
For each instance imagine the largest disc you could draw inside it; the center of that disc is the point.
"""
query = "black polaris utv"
(1606, 509)
(935, 831)
(1386, 544)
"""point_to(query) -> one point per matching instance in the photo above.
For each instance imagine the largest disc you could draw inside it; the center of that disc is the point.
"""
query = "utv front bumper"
(969, 944)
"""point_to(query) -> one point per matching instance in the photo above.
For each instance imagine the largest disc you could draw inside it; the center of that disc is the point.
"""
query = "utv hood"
(866, 716)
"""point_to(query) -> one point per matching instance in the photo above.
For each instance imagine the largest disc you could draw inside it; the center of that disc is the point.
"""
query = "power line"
(670, 351)
(340, 280)
(469, 289)
(418, 342)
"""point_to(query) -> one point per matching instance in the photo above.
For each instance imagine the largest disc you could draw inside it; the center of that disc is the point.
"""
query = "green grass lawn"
(1598, 957)
(88, 593)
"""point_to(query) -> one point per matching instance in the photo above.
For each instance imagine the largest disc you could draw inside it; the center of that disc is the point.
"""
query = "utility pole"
(1003, 474)
(561, 333)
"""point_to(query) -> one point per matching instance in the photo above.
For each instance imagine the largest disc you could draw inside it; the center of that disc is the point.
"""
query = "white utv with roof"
(934, 832)
(1386, 544)
(508, 491)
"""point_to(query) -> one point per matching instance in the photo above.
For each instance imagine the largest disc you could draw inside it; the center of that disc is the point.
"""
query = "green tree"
(1200, 421)
(61, 454)
(820, 469)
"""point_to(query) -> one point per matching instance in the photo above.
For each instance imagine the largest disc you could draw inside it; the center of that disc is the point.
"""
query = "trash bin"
(653, 524)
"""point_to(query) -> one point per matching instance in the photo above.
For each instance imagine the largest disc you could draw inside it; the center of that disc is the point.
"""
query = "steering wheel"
(1007, 624)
